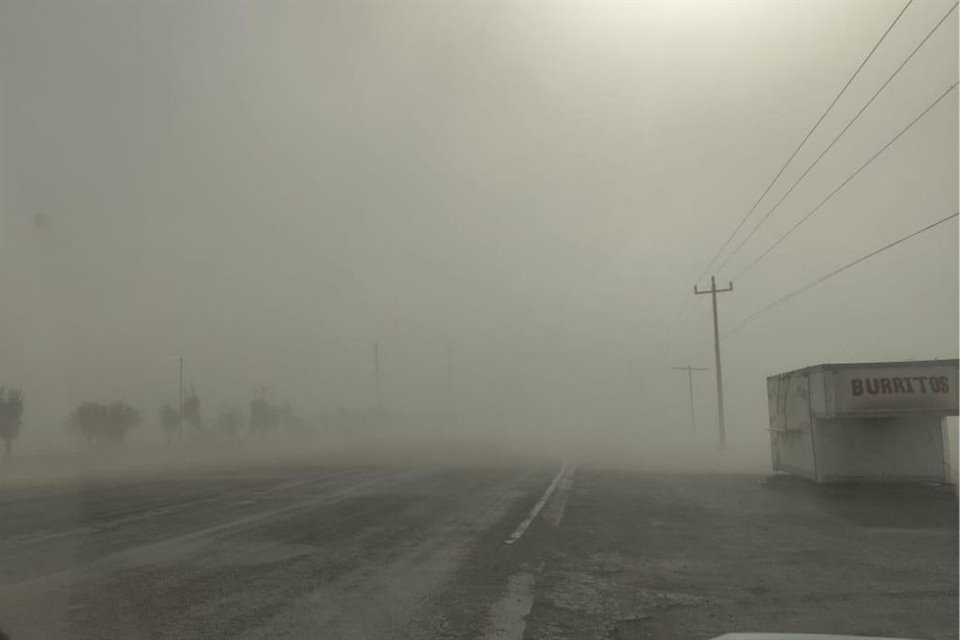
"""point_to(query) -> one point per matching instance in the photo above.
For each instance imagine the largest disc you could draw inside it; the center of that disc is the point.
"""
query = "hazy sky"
(267, 188)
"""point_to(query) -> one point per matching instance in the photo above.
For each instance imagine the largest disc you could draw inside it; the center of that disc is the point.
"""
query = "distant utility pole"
(376, 370)
(713, 291)
(689, 369)
(180, 413)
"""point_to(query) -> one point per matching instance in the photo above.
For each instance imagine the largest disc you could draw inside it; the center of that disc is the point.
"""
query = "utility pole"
(689, 369)
(180, 413)
(713, 291)
(376, 370)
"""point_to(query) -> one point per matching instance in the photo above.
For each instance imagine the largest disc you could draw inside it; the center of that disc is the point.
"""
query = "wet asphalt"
(372, 552)
(294, 553)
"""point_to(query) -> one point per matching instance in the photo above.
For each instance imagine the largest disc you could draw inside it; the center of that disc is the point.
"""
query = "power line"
(806, 287)
(803, 141)
(789, 159)
(837, 138)
(845, 182)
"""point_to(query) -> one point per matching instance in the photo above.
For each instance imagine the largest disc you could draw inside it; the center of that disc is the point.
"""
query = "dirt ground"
(658, 556)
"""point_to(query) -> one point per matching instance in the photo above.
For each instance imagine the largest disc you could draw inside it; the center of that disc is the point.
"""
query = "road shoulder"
(657, 556)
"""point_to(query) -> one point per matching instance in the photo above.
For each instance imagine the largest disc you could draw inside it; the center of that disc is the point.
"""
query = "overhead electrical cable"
(803, 141)
(836, 139)
(845, 182)
(780, 301)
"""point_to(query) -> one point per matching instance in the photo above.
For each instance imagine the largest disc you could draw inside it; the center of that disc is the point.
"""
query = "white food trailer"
(863, 422)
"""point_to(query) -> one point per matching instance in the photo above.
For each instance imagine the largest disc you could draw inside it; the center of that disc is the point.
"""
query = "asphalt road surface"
(488, 553)
(305, 553)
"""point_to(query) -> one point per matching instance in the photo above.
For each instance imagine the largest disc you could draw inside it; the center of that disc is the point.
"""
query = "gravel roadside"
(695, 556)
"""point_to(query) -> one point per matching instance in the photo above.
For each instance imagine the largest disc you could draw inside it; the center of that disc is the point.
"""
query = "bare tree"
(11, 411)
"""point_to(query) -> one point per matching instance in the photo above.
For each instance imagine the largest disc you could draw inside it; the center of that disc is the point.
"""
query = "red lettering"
(898, 386)
(944, 384)
(935, 385)
(885, 386)
(856, 386)
(923, 384)
(909, 384)
(873, 386)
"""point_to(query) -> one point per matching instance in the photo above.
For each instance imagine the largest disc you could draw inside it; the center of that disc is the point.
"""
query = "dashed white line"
(556, 506)
(522, 527)
(508, 615)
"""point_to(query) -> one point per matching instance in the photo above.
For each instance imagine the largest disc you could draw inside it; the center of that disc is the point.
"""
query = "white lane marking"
(553, 512)
(522, 527)
(508, 616)
(378, 597)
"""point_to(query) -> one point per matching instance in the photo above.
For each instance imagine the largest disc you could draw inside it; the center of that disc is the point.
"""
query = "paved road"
(374, 553)
(305, 553)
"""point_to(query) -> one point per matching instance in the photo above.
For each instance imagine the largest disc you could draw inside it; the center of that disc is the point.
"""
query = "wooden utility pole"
(713, 291)
(689, 369)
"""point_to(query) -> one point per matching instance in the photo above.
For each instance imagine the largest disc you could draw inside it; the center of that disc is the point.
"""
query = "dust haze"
(459, 231)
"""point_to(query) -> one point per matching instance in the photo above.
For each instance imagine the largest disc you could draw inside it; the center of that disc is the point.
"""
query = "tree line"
(105, 424)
